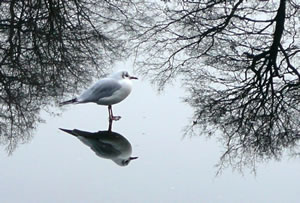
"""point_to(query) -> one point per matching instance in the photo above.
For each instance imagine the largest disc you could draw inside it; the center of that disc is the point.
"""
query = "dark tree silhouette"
(50, 48)
(240, 61)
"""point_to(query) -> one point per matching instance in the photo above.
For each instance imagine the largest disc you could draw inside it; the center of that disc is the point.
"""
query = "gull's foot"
(115, 118)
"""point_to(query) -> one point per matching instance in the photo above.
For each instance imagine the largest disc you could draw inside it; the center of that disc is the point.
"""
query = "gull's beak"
(132, 158)
(133, 78)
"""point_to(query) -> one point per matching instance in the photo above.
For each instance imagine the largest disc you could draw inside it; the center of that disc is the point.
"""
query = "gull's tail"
(69, 131)
(72, 101)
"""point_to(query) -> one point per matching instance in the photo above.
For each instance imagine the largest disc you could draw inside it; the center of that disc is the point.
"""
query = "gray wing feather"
(103, 88)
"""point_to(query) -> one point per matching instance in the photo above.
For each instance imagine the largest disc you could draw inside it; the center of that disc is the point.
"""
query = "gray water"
(56, 167)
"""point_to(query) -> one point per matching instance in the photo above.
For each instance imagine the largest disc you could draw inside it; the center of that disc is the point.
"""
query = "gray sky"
(56, 167)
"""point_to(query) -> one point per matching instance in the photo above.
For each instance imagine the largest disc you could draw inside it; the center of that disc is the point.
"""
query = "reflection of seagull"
(106, 144)
(107, 91)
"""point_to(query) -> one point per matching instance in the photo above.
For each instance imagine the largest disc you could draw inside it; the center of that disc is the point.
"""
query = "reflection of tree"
(240, 61)
(48, 49)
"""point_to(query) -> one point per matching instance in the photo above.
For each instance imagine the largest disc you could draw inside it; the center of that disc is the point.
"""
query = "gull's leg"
(111, 116)
(110, 125)
(109, 113)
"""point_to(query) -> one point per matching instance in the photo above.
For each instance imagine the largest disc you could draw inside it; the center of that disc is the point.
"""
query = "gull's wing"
(103, 143)
(103, 88)
(102, 149)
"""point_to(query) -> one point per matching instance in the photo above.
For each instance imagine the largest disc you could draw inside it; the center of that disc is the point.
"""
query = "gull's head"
(124, 162)
(123, 75)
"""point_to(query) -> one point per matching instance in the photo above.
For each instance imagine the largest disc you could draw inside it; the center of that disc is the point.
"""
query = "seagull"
(107, 91)
(106, 144)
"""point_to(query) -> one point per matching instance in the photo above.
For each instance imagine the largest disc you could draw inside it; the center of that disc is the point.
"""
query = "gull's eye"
(126, 162)
(125, 75)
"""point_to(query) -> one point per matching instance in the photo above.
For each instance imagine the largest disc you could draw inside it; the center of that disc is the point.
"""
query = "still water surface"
(57, 167)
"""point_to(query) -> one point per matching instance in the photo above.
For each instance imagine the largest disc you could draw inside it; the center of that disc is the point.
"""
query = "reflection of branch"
(280, 18)
(270, 56)
(287, 58)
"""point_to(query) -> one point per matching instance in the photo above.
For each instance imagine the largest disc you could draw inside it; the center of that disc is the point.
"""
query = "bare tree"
(49, 49)
(240, 61)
